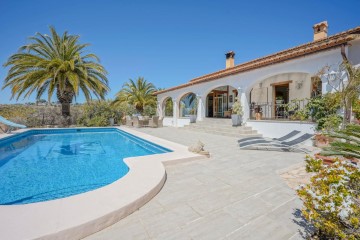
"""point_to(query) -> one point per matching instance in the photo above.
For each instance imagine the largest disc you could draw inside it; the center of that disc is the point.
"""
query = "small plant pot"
(192, 118)
(236, 120)
(328, 160)
(322, 140)
(258, 116)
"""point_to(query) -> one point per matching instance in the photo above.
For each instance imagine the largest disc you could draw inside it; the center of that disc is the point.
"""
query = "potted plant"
(237, 113)
(279, 100)
(192, 115)
(193, 111)
(344, 145)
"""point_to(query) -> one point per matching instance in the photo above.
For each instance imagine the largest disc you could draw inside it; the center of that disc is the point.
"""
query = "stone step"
(241, 130)
(229, 134)
(221, 126)
(217, 120)
(225, 127)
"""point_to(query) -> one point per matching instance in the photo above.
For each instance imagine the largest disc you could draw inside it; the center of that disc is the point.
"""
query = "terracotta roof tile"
(295, 52)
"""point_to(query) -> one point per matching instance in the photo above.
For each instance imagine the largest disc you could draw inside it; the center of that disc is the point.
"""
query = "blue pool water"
(41, 165)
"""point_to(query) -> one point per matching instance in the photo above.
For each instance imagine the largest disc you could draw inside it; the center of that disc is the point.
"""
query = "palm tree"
(139, 93)
(56, 63)
(347, 142)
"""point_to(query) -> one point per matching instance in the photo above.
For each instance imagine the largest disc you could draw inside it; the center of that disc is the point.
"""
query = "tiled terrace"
(235, 194)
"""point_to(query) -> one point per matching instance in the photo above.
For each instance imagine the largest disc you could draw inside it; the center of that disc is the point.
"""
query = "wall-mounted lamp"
(299, 84)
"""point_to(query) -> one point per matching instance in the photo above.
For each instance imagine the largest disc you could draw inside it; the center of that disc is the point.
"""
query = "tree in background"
(56, 63)
(139, 94)
(345, 82)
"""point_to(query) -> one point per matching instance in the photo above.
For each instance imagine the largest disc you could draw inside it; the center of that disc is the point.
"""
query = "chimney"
(320, 30)
(230, 59)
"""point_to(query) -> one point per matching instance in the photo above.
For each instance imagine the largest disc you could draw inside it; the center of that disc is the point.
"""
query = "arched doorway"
(168, 110)
(220, 100)
(187, 104)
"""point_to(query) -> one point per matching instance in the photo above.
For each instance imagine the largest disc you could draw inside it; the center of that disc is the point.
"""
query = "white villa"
(262, 84)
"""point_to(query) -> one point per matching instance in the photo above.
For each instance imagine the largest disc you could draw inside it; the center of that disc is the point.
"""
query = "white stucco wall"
(180, 122)
(297, 68)
(354, 52)
(275, 129)
(264, 92)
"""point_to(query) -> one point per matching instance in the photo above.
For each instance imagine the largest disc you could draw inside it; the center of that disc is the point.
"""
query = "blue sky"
(170, 42)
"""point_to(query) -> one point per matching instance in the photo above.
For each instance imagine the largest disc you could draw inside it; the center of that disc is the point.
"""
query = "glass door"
(218, 106)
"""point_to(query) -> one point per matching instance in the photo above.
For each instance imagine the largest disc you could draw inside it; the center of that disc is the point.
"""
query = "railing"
(276, 110)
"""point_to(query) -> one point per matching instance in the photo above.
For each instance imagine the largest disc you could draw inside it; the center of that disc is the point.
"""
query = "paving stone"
(214, 226)
(235, 194)
(261, 228)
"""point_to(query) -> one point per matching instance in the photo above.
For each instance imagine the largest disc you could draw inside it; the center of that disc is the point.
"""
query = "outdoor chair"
(154, 121)
(128, 121)
(137, 122)
(287, 146)
(143, 120)
(283, 138)
(11, 125)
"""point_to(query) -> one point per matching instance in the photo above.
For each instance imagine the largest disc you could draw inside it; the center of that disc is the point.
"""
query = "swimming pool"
(41, 165)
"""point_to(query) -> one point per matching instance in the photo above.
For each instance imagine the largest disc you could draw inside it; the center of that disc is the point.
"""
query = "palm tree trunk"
(65, 109)
(139, 109)
(65, 97)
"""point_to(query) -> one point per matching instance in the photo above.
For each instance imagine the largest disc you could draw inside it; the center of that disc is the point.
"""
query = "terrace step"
(222, 127)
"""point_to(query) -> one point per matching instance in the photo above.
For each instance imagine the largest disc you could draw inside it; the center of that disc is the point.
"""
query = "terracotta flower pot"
(322, 140)
(328, 160)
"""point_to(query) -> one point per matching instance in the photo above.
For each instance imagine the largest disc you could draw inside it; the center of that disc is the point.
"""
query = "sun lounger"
(277, 145)
(11, 125)
(283, 138)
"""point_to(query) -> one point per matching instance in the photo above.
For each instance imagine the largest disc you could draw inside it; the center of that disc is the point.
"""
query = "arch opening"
(187, 105)
(167, 107)
(219, 101)
(279, 96)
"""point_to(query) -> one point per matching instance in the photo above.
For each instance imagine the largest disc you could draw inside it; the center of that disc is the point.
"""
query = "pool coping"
(81, 215)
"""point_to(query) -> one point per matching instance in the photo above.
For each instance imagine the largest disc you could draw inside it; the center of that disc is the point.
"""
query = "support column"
(244, 103)
(159, 109)
(175, 112)
(200, 108)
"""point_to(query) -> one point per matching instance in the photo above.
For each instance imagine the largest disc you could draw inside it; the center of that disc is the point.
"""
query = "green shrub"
(97, 121)
(321, 109)
(169, 108)
(236, 107)
(149, 110)
(356, 109)
(332, 199)
(346, 144)
(98, 113)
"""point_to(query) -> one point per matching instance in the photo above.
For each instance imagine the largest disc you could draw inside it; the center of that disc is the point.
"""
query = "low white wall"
(275, 129)
(180, 122)
(168, 121)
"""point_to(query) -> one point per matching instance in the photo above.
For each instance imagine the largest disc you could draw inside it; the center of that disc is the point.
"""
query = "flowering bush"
(332, 199)
(237, 108)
